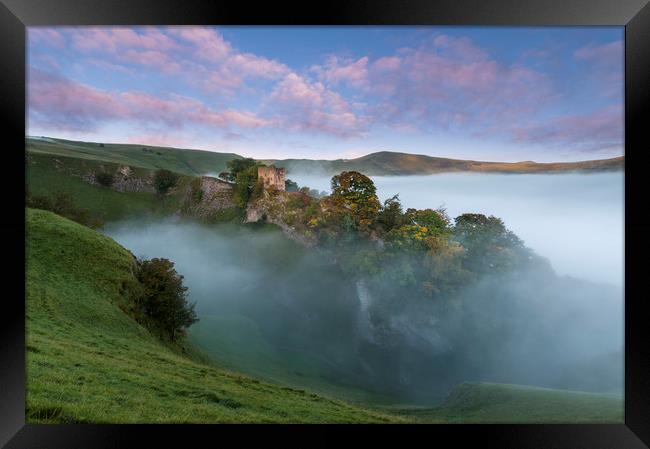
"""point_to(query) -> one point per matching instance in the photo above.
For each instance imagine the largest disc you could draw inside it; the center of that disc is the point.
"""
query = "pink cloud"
(65, 104)
(387, 63)
(152, 58)
(68, 105)
(596, 131)
(334, 71)
(208, 43)
(611, 53)
(310, 106)
(450, 83)
(606, 67)
(112, 39)
(45, 35)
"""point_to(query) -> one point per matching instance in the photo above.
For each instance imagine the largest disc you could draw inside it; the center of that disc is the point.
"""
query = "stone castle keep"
(271, 177)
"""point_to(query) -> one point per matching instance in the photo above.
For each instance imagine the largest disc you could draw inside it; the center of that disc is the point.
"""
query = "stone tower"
(271, 177)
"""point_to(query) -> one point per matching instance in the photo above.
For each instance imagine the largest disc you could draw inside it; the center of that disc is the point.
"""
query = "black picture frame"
(15, 15)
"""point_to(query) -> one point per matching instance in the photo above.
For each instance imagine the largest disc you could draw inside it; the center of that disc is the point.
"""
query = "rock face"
(273, 207)
(124, 179)
(271, 177)
(208, 195)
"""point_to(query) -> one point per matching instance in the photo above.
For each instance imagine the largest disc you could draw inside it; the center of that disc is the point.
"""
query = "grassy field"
(184, 161)
(89, 362)
(475, 402)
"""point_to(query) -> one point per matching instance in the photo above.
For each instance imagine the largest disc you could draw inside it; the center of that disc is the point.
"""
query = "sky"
(483, 93)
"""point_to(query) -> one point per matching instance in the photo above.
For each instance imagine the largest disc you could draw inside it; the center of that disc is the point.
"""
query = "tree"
(104, 178)
(163, 302)
(391, 215)
(490, 246)
(356, 193)
(436, 220)
(164, 180)
(243, 172)
(236, 166)
(290, 186)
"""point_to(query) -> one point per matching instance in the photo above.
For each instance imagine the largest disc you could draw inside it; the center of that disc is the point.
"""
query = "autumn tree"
(357, 195)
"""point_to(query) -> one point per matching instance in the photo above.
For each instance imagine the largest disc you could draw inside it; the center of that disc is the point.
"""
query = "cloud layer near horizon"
(191, 86)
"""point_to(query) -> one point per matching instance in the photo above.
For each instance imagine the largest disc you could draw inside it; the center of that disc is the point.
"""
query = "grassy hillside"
(184, 161)
(89, 362)
(386, 163)
(47, 175)
(473, 402)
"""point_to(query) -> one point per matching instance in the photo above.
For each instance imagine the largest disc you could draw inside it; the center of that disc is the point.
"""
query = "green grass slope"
(184, 161)
(46, 175)
(89, 362)
(477, 402)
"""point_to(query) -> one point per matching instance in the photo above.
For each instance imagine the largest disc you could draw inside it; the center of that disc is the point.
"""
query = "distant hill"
(386, 163)
(383, 163)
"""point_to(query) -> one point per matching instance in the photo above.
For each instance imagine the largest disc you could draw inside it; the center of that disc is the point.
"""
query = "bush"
(61, 204)
(162, 303)
(105, 179)
(164, 180)
(290, 186)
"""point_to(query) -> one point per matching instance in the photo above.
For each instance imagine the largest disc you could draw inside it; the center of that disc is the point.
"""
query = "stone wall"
(209, 196)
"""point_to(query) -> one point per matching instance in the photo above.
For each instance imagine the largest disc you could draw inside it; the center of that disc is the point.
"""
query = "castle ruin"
(271, 177)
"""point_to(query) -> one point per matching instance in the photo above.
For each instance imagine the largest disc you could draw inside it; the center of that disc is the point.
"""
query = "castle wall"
(271, 177)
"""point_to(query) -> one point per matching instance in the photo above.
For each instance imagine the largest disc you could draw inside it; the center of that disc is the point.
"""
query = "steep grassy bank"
(89, 362)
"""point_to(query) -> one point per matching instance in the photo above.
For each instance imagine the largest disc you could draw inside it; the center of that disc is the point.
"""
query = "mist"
(270, 308)
(574, 220)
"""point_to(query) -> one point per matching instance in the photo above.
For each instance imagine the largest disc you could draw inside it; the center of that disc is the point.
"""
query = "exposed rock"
(208, 195)
(273, 207)
(124, 179)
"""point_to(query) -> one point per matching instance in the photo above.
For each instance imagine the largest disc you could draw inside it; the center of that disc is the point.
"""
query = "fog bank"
(271, 308)
(574, 220)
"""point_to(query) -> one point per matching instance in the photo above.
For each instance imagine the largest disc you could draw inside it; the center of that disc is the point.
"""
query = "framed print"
(426, 216)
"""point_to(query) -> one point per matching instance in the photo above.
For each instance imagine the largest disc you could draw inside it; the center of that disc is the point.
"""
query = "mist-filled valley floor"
(270, 308)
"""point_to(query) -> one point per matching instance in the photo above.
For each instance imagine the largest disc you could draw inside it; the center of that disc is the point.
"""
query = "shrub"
(162, 303)
(105, 179)
(62, 204)
(164, 180)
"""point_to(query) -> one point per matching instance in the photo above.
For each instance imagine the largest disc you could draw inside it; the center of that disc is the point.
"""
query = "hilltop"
(385, 163)
(388, 163)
